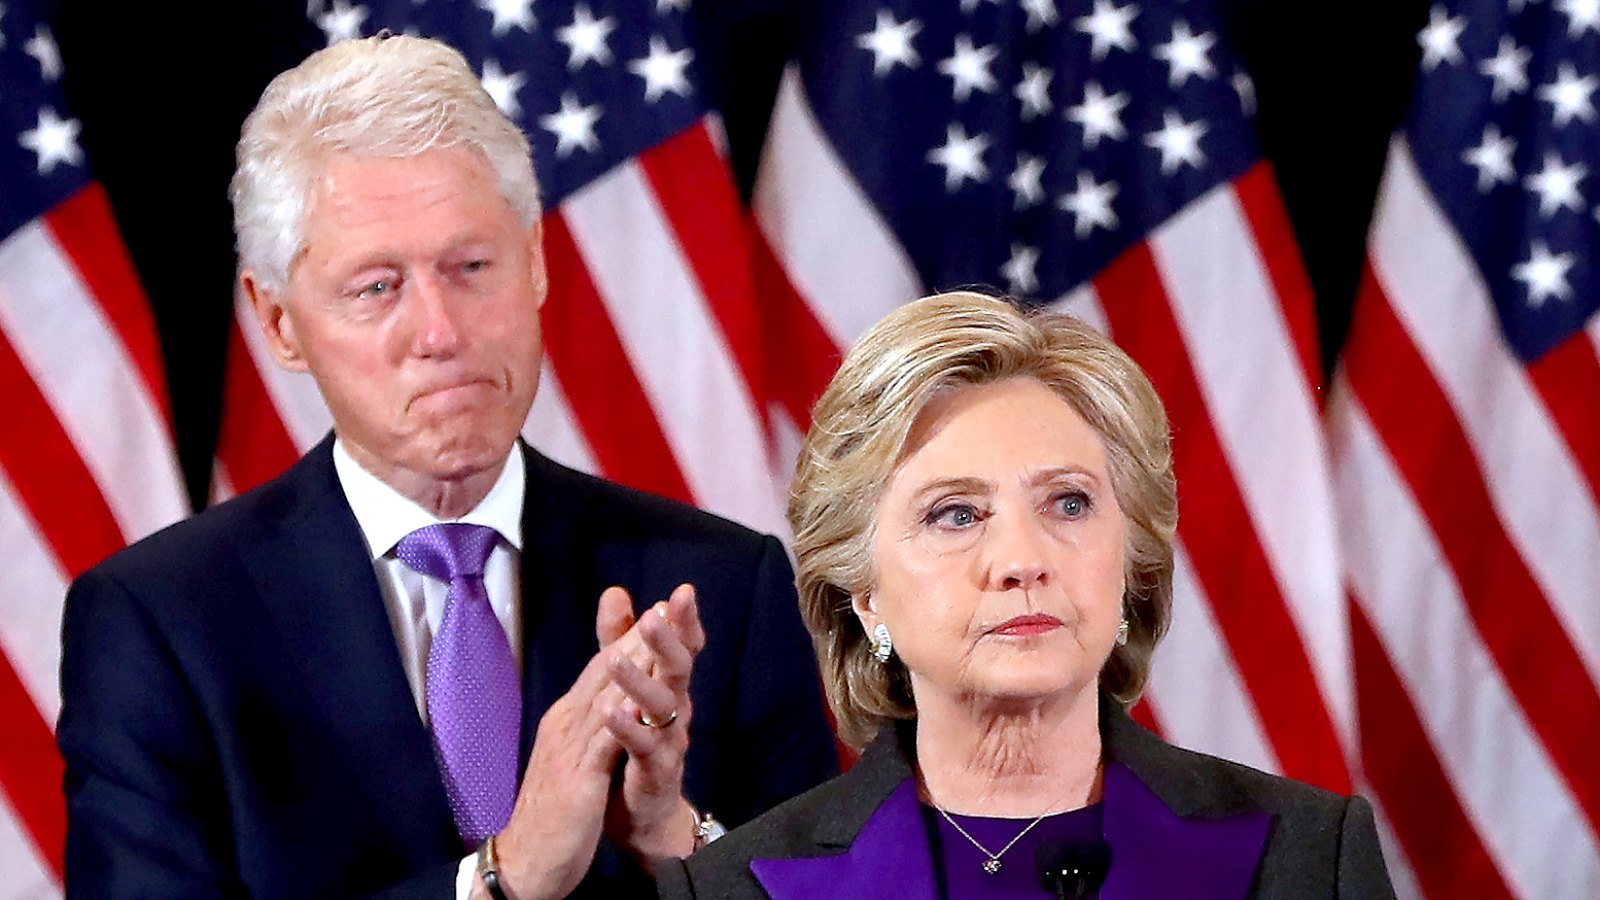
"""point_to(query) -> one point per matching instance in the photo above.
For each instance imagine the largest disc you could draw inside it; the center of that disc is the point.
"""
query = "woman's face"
(999, 549)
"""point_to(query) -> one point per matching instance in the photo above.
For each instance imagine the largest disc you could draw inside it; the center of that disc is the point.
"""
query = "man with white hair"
(425, 661)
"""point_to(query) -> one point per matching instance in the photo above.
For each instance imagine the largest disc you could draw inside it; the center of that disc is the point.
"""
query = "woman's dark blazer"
(1179, 824)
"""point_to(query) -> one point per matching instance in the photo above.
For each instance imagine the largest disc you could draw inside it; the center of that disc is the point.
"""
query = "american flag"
(1466, 443)
(86, 456)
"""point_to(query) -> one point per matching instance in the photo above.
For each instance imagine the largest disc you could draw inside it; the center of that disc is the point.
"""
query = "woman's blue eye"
(954, 516)
(1074, 505)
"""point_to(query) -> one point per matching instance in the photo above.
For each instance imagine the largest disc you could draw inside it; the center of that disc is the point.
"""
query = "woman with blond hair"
(984, 512)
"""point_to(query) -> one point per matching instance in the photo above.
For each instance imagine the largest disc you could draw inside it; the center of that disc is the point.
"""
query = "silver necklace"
(992, 864)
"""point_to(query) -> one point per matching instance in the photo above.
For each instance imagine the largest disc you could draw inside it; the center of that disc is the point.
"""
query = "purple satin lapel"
(889, 859)
(1155, 853)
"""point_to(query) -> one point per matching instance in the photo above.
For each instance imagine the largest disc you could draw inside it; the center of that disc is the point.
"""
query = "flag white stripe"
(119, 431)
(25, 875)
(30, 617)
(839, 254)
(1202, 702)
(677, 348)
(1528, 821)
(294, 394)
(1265, 418)
(1526, 461)
(551, 427)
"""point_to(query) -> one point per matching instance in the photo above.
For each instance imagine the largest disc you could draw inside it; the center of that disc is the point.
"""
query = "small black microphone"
(1072, 869)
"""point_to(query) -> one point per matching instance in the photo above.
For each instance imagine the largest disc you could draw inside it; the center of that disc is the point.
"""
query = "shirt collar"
(385, 515)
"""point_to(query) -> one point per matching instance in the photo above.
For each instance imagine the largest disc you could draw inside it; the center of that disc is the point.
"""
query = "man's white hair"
(390, 97)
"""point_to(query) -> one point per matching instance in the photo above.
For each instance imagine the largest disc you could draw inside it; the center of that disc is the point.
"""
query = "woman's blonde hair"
(858, 438)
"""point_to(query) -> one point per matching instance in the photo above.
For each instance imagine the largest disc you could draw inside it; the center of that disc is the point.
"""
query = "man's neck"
(443, 499)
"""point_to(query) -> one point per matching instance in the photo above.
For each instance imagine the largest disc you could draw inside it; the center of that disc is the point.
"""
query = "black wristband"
(489, 870)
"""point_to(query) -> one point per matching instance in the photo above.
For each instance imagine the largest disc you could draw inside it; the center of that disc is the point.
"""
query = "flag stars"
(1178, 141)
(1492, 159)
(1569, 96)
(1439, 39)
(971, 6)
(1099, 115)
(1545, 275)
(42, 47)
(1557, 185)
(1026, 181)
(1582, 15)
(968, 68)
(586, 38)
(502, 87)
(1186, 54)
(573, 125)
(664, 70)
(1041, 14)
(890, 43)
(961, 157)
(1508, 68)
(1034, 91)
(1018, 271)
(54, 140)
(1090, 205)
(342, 21)
(666, 6)
(509, 14)
(1107, 26)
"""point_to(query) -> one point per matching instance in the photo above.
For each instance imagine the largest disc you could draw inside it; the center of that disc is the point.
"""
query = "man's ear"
(277, 326)
(540, 273)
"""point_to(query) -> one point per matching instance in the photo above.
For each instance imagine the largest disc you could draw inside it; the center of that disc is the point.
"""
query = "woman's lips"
(1027, 626)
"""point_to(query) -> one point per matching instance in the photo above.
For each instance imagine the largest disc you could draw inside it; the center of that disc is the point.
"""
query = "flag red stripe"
(1568, 380)
(1257, 191)
(800, 350)
(1403, 768)
(31, 770)
(1429, 447)
(607, 399)
(49, 478)
(252, 443)
(1216, 527)
(697, 196)
(83, 228)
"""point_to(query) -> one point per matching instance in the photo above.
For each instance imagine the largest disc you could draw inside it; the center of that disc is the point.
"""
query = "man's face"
(415, 306)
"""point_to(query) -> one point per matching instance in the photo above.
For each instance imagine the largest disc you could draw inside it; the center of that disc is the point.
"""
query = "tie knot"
(449, 550)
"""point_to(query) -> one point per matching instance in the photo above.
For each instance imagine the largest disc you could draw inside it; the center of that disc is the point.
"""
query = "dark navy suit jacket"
(1179, 825)
(236, 721)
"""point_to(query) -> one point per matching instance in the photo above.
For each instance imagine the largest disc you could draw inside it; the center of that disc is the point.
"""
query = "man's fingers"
(649, 695)
(615, 616)
(683, 611)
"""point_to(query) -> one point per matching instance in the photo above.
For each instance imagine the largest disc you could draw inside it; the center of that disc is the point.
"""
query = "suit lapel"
(560, 587)
(1172, 831)
(316, 580)
(878, 827)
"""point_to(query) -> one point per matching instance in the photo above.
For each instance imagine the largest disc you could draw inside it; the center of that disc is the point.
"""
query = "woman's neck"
(1012, 760)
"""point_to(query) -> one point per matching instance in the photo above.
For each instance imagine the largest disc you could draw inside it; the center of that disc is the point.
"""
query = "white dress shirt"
(415, 601)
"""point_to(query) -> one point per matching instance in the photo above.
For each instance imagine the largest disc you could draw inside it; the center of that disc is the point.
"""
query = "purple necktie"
(474, 694)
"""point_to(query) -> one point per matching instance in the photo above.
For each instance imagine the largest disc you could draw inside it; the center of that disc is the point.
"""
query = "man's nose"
(435, 330)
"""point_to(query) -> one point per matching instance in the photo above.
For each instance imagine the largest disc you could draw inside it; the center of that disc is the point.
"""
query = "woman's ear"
(861, 604)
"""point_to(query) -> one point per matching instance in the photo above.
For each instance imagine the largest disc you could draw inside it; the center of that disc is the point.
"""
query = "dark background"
(161, 106)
